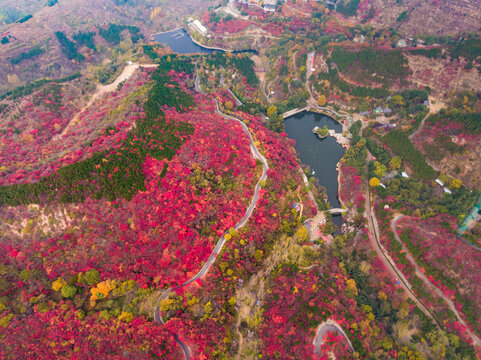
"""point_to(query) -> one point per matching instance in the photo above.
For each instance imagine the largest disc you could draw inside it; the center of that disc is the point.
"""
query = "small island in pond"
(321, 132)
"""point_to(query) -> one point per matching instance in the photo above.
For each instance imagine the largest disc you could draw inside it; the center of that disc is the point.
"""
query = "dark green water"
(322, 155)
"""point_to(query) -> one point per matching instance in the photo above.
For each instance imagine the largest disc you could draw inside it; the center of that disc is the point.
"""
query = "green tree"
(69, 291)
(91, 277)
(395, 163)
(387, 344)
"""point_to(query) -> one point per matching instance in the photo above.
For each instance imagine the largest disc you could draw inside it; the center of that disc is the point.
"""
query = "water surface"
(181, 42)
(322, 155)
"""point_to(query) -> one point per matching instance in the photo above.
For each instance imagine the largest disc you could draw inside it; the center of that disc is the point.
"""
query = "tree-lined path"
(222, 240)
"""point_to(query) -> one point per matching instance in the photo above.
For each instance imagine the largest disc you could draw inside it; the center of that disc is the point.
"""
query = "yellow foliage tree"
(165, 304)
(207, 309)
(193, 301)
(272, 110)
(374, 182)
(102, 289)
(58, 284)
(126, 317)
(455, 184)
(302, 234)
(321, 101)
(228, 105)
(6, 320)
(381, 295)
(351, 289)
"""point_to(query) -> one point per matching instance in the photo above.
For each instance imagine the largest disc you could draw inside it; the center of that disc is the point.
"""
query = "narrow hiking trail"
(374, 238)
(322, 331)
(128, 71)
(222, 240)
(428, 283)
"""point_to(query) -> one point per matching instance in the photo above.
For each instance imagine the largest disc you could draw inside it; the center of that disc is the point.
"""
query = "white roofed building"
(269, 5)
(197, 25)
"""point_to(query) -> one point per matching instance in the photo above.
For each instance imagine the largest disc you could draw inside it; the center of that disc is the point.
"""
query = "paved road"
(428, 283)
(220, 244)
(323, 109)
(374, 237)
(323, 329)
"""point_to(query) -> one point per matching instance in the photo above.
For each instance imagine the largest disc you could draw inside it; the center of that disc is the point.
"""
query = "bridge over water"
(337, 211)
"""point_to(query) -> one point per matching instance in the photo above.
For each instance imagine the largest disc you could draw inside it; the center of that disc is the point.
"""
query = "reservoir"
(181, 42)
(322, 155)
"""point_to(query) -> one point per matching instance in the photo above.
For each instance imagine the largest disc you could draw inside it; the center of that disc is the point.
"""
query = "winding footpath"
(309, 67)
(322, 331)
(434, 107)
(420, 127)
(222, 83)
(428, 283)
(220, 244)
(374, 237)
(306, 183)
(390, 264)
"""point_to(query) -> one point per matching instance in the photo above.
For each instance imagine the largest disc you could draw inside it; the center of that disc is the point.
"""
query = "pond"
(322, 155)
(181, 42)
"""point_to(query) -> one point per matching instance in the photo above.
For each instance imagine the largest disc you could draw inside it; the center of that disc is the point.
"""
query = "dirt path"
(128, 71)
(374, 237)
(420, 128)
(434, 107)
(428, 283)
